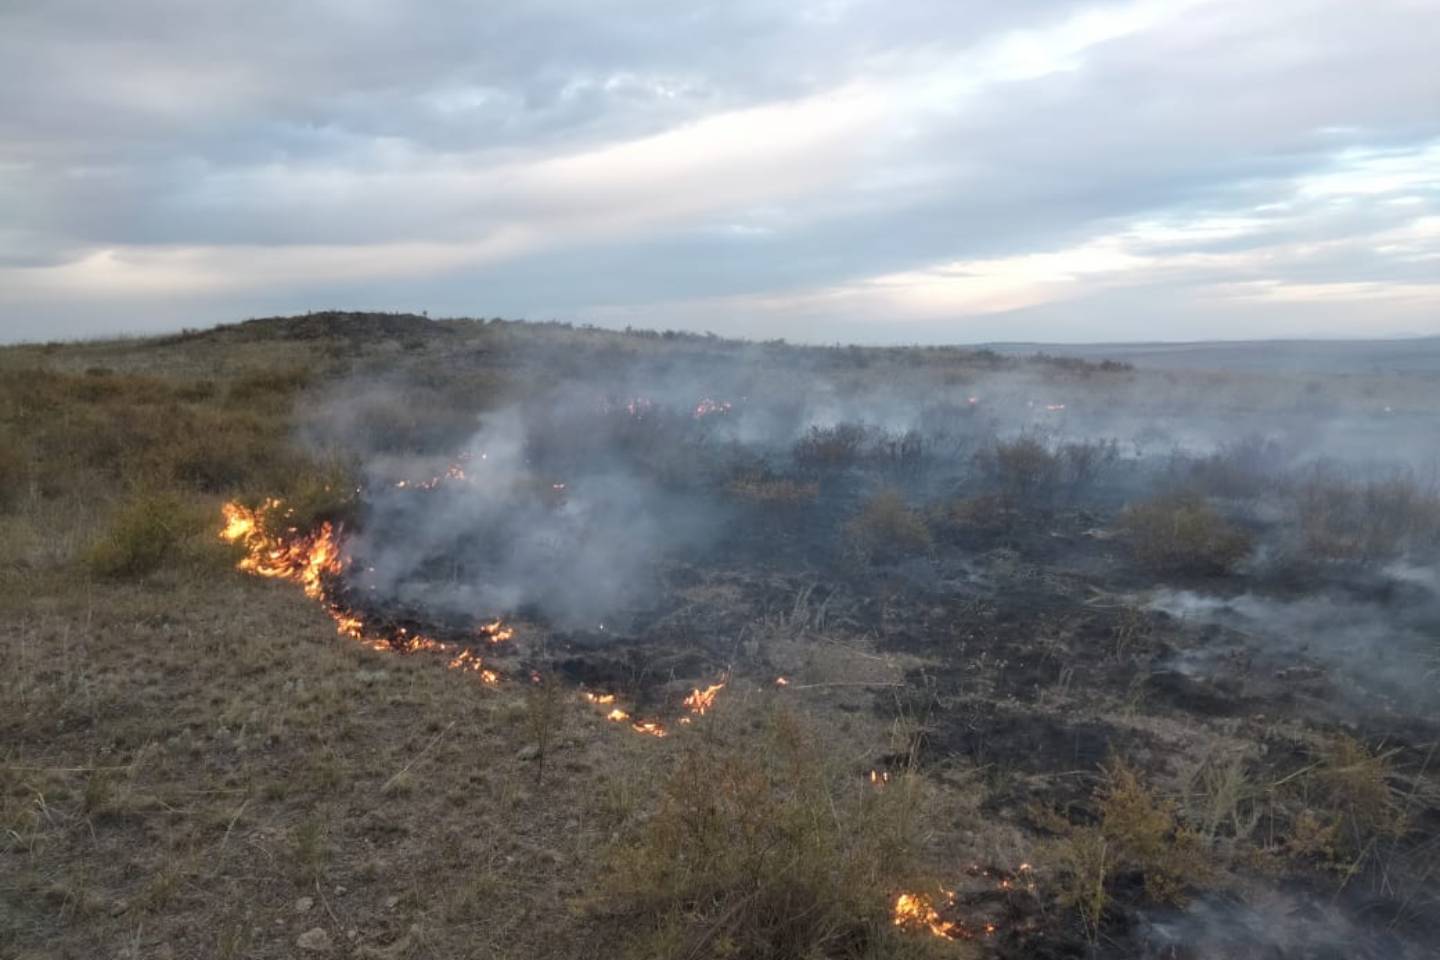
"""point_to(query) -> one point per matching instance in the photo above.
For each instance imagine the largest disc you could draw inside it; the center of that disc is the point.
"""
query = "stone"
(314, 940)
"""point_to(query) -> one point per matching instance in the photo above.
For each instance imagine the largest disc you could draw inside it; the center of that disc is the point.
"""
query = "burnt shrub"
(984, 514)
(1244, 469)
(1368, 521)
(1084, 462)
(1181, 533)
(898, 451)
(831, 448)
(886, 528)
(1024, 469)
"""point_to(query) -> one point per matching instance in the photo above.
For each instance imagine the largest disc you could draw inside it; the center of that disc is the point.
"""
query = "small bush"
(887, 528)
(1352, 806)
(1183, 534)
(761, 853)
(1137, 833)
(144, 533)
(1023, 470)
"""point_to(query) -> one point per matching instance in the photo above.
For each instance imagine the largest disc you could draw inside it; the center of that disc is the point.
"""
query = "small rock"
(527, 752)
(339, 890)
(316, 940)
(392, 901)
(119, 907)
(400, 948)
(304, 904)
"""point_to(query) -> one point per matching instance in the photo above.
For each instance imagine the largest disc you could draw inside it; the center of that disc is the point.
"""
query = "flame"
(649, 727)
(917, 911)
(314, 560)
(782, 682)
(879, 777)
(617, 715)
(701, 700)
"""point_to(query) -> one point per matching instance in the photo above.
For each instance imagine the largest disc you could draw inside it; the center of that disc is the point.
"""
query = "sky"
(875, 171)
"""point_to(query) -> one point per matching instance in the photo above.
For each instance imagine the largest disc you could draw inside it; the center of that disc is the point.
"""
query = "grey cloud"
(164, 123)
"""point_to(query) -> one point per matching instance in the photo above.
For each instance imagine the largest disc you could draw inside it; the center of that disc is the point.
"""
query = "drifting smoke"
(567, 504)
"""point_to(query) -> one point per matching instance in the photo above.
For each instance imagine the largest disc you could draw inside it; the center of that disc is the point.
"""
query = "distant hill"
(1411, 355)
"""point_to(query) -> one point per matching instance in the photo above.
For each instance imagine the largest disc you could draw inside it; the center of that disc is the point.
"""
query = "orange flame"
(917, 911)
(701, 700)
(649, 727)
(313, 560)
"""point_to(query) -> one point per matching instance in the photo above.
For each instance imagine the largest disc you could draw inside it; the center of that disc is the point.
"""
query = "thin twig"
(426, 749)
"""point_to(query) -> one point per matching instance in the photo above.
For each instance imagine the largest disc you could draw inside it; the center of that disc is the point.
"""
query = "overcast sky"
(821, 170)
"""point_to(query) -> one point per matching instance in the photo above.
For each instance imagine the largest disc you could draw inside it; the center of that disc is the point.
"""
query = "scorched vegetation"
(362, 635)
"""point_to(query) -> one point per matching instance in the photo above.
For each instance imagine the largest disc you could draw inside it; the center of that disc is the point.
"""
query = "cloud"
(892, 171)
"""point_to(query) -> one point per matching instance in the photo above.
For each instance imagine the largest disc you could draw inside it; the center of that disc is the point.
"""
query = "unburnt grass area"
(548, 638)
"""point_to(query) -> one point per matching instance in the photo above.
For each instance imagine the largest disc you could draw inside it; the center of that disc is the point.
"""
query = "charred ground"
(1085, 660)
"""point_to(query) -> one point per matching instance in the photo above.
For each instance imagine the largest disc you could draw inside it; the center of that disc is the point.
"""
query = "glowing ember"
(617, 715)
(781, 682)
(879, 777)
(701, 700)
(707, 406)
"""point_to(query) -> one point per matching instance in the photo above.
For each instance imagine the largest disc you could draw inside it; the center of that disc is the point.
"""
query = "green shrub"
(1181, 533)
(144, 533)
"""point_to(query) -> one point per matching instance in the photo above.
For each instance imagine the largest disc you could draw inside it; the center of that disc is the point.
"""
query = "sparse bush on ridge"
(1181, 533)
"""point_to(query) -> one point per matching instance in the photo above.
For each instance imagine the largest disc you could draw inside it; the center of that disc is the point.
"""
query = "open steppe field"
(364, 635)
